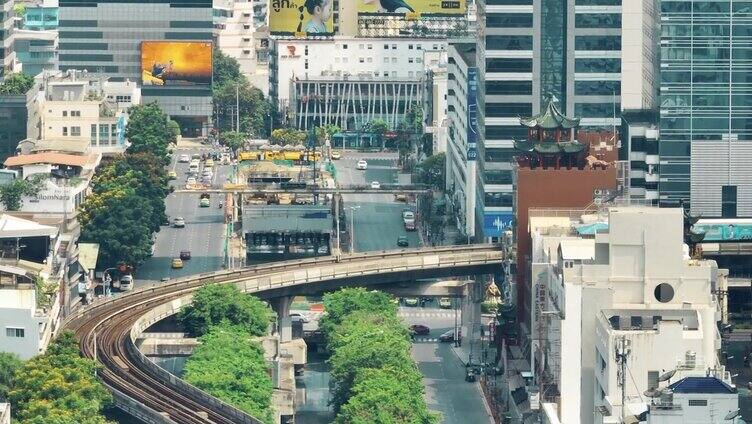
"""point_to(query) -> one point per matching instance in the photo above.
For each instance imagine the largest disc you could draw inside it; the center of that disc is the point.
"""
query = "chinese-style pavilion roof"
(550, 118)
(548, 147)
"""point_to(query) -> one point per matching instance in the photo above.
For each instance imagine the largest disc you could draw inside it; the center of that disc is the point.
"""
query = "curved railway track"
(104, 332)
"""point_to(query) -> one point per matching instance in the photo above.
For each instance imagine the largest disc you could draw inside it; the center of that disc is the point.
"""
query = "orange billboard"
(176, 63)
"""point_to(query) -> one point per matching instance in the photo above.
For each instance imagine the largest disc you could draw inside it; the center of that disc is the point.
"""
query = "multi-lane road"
(378, 217)
(203, 235)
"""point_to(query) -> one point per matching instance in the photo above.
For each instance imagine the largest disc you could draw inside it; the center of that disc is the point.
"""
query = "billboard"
(494, 224)
(413, 7)
(301, 17)
(176, 63)
(726, 232)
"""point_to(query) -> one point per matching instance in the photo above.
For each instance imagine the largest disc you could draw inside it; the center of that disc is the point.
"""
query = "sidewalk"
(476, 349)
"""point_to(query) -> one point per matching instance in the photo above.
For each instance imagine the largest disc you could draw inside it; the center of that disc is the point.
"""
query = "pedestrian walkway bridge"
(108, 329)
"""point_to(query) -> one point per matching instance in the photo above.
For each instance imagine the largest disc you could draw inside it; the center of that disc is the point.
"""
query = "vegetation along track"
(104, 330)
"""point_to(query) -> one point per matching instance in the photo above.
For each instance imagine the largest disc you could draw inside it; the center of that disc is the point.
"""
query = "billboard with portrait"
(418, 7)
(176, 63)
(301, 17)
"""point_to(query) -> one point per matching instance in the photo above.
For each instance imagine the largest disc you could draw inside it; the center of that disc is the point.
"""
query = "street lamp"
(106, 279)
(352, 227)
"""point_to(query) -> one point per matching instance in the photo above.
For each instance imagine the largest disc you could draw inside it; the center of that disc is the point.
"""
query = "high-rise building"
(706, 113)
(7, 54)
(106, 37)
(571, 50)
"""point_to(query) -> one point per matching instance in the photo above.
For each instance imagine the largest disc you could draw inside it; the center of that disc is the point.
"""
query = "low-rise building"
(36, 51)
(695, 400)
(79, 106)
(612, 279)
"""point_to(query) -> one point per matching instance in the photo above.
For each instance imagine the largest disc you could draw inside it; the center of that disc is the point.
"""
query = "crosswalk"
(426, 340)
(427, 314)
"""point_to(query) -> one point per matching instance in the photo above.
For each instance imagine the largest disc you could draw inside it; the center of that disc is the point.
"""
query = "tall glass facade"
(706, 90)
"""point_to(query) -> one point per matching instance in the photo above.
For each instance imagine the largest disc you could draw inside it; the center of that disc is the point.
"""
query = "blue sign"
(121, 130)
(494, 224)
(472, 113)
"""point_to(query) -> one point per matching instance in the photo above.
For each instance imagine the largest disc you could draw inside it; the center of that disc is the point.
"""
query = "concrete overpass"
(108, 330)
(385, 189)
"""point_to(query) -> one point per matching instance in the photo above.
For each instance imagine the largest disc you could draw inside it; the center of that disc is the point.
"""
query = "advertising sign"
(413, 7)
(301, 17)
(725, 232)
(176, 63)
(494, 224)
(472, 113)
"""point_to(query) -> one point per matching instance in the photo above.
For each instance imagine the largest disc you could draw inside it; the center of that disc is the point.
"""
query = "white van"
(126, 282)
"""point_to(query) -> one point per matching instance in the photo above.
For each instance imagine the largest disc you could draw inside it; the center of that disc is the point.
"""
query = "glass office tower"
(706, 106)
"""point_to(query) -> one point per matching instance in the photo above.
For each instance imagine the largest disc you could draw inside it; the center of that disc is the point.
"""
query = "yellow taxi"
(172, 175)
(177, 263)
(336, 154)
(209, 163)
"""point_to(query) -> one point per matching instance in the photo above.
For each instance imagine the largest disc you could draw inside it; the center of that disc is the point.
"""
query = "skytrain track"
(104, 328)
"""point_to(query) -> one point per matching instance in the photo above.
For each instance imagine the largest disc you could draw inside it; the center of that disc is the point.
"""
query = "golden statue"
(493, 294)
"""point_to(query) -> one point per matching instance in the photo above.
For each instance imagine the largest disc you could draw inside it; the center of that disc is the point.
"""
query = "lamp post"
(352, 227)
(106, 279)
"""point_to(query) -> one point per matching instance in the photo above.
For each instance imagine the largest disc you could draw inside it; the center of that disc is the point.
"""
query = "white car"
(362, 165)
(190, 181)
(126, 282)
(184, 159)
(299, 316)
(375, 185)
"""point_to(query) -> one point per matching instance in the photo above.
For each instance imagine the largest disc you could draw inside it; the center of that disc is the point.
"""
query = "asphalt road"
(203, 235)
(443, 374)
(378, 217)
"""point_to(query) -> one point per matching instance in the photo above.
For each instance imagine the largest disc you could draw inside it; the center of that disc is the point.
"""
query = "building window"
(104, 138)
(409, 46)
(93, 134)
(394, 60)
(664, 292)
(728, 201)
(653, 379)
(361, 60)
(698, 402)
(410, 60)
(14, 332)
(75, 113)
(386, 73)
(360, 46)
(394, 47)
(65, 113)
(113, 134)
(386, 46)
(370, 47)
(344, 46)
(75, 131)
(370, 59)
(65, 131)
(386, 60)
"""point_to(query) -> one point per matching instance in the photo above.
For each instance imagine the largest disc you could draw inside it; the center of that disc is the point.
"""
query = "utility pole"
(623, 350)
(352, 227)
(237, 107)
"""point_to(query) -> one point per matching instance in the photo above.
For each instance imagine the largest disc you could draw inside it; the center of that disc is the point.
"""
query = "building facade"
(43, 16)
(36, 51)
(7, 53)
(105, 37)
(705, 125)
(347, 81)
(461, 155)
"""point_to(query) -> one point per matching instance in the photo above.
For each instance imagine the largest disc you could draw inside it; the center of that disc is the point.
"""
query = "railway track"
(104, 333)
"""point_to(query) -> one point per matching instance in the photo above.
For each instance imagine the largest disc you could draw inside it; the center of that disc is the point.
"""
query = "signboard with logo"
(176, 63)
(412, 9)
(494, 224)
(472, 113)
(301, 17)
(731, 231)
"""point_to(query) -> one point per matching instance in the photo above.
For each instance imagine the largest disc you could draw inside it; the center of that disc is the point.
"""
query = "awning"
(12, 227)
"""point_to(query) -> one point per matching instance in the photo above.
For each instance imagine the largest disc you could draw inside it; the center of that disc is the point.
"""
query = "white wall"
(402, 59)
(639, 54)
(17, 311)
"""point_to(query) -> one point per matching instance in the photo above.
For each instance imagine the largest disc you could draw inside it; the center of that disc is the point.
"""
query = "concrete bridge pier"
(281, 305)
(471, 315)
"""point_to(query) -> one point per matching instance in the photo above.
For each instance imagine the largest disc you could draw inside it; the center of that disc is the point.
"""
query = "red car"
(419, 329)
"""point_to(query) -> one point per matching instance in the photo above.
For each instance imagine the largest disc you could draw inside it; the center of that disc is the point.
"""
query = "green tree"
(16, 84)
(378, 127)
(216, 304)
(121, 227)
(230, 366)
(288, 137)
(59, 387)
(12, 192)
(388, 396)
(226, 69)
(233, 140)
(432, 171)
(254, 109)
(342, 302)
(364, 342)
(9, 363)
(150, 130)
(326, 131)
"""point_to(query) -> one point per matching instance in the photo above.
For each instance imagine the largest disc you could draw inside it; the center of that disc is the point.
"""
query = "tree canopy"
(59, 387)
(150, 130)
(16, 84)
(231, 366)
(432, 171)
(342, 302)
(12, 192)
(288, 136)
(216, 304)
(230, 89)
(9, 363)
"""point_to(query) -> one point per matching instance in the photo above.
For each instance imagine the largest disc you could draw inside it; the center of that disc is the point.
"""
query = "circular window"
(664, 292)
